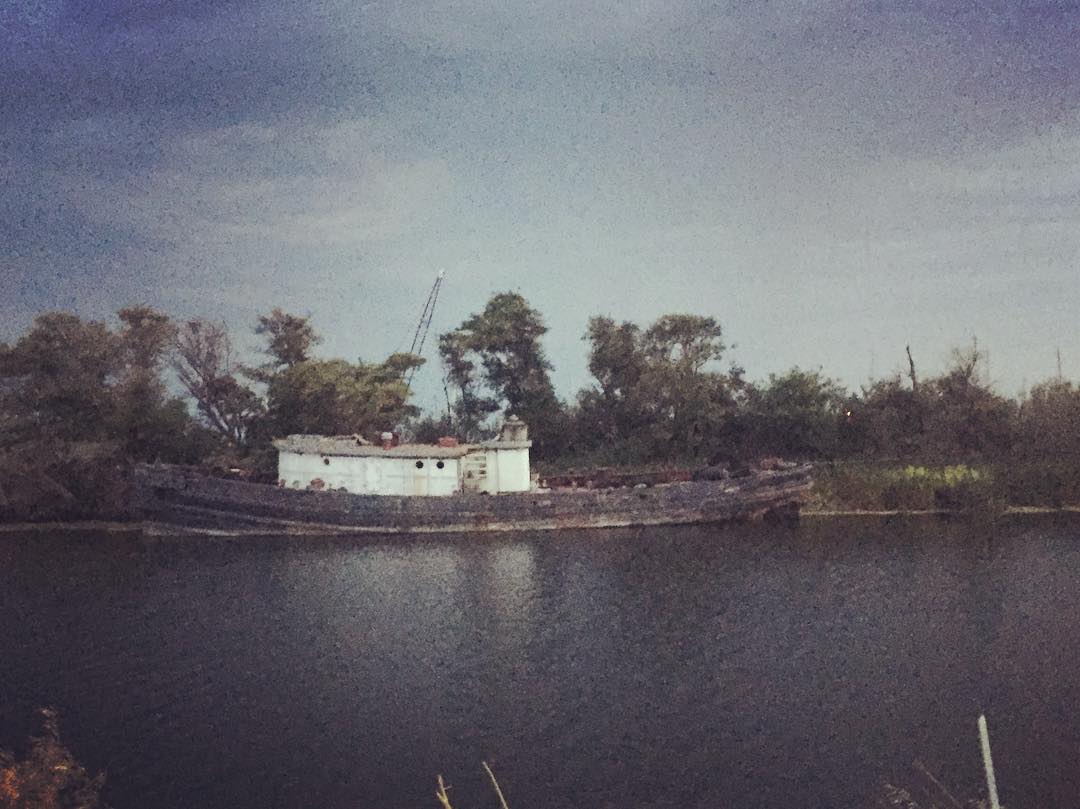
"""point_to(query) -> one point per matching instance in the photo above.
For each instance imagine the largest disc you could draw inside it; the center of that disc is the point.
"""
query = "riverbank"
(1008, 511)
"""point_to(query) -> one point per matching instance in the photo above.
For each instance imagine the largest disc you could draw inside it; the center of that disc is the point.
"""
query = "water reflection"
(656, 667)
(510, 573)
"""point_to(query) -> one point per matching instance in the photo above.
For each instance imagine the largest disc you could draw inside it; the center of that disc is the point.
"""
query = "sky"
(832, 181)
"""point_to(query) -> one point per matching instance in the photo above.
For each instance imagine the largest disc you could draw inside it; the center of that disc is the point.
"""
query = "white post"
(988, 763)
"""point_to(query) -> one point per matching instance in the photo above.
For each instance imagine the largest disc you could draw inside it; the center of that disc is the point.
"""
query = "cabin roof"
(348, 445)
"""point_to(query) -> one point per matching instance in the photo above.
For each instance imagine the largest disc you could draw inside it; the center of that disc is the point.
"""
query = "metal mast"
(417, 346)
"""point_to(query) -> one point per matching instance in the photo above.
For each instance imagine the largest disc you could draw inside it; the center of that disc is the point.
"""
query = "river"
(676, 667)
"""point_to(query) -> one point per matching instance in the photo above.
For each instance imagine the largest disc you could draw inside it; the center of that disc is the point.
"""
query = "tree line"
(77, 393)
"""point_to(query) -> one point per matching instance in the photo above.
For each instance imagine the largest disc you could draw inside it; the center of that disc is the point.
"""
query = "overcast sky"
(830, 180)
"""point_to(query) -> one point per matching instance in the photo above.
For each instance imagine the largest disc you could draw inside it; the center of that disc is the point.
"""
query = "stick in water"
(988, 763)
(494, 783)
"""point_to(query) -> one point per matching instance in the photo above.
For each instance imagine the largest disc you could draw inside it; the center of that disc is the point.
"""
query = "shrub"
(48, 777)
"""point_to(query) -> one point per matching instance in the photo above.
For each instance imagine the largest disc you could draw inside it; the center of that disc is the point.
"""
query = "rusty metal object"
(608, 478)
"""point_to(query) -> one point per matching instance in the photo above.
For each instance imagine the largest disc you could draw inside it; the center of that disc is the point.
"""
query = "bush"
(867, 487)
(1050, 485)
(43, 481)
(48, 777)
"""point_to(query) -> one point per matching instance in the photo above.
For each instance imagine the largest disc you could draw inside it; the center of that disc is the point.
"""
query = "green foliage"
(873, 487)
(965, 418)
(686, 343)
(494, 361)
(800, 414)
(302, 395)
(428, 429)
(611, 417)
(77, 381)
(150, 424)
(49, 479)
(656, 395)
(472, 404)
(890, 420)
(1049, 422)
(145, 339)
(1041, 483)
(289, 340)
(956, 416)
(208, 370)
(80, 400)
(335, 397)
(59, 377)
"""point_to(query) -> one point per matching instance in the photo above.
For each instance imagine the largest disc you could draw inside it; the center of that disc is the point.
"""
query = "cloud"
(753, 160)
(299, 185)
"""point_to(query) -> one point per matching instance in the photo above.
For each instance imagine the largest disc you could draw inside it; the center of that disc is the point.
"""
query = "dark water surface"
(752, 667)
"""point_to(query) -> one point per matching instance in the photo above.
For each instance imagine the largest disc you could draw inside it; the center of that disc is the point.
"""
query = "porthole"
(326, 461)
(439, 464)
(419, 464)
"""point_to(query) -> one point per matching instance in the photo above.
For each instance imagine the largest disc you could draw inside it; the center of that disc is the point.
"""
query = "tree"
(58, 377)
(689, 400)
(657, 394)
(684, 342)
(951, 417)
(799, 414)
(1049, 421)
(471, 406)
(504, 340)
(146, 337)
(427, 429)
(965, 418)
(148, 422)
(613, 410)
(890, 419)
(335, 397)
(289, 339)
(207, 368)
(79, 402)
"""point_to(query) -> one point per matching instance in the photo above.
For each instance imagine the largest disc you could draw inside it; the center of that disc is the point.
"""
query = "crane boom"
(420, 337)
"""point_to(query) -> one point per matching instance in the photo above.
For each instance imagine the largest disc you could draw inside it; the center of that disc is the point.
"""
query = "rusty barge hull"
(175, 499)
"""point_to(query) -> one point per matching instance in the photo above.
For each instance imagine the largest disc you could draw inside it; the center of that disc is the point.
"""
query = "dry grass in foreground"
(444, 798)
(48, 777)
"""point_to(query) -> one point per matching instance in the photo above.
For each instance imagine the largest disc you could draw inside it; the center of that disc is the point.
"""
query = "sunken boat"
(346, 484)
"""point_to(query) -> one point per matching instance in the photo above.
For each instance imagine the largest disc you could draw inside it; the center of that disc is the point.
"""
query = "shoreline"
(154, 529)
(1008, 511)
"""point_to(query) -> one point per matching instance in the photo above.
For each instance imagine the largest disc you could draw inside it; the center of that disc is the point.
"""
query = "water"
(764, 667)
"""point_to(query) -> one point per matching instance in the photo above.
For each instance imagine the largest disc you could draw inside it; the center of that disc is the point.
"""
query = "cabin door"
(474, 473)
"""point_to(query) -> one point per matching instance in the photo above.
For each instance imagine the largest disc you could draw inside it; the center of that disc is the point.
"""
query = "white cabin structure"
(355, 465)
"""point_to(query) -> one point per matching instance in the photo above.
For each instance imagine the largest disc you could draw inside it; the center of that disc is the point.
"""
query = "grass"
(874, 487)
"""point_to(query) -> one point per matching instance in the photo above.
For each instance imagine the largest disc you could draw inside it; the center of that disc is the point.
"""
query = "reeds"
(444, 798)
